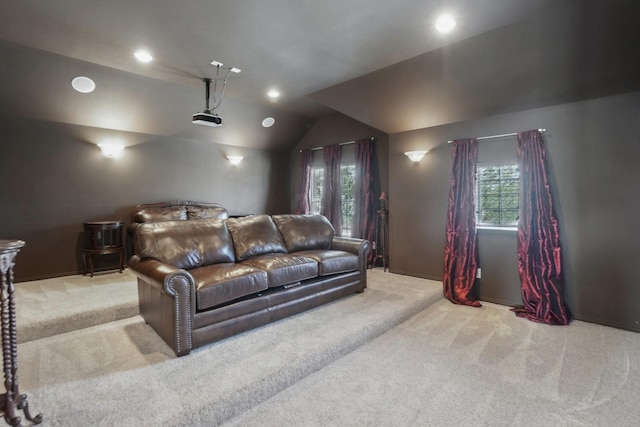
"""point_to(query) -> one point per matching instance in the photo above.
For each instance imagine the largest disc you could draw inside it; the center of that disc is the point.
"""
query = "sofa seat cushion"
(331, 261)
(284, 269)
(220, 283)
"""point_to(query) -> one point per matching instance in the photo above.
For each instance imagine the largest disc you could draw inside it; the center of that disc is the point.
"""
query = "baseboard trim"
(499, 301)
(588, 319)
(68, 273)
(624, 326)
(412, 274)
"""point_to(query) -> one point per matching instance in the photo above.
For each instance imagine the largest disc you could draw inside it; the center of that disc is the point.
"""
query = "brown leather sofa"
(202, 280)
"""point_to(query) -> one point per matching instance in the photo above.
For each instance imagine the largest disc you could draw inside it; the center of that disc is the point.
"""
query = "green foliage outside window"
(315, 189)
(498, 195)
(347, 179)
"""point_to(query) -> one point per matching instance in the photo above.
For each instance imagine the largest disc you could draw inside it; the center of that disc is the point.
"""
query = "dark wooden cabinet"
(103, 238)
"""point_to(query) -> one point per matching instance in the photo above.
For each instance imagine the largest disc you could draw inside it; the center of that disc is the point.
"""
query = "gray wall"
(593, 149)
(53, 181)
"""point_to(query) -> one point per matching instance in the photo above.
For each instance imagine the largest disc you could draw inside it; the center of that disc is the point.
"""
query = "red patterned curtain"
(331, 190)
(539, 254)
(304, 178)
(366, 186)
(461, 250)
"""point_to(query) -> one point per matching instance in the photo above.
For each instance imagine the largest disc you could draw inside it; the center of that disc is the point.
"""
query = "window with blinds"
(498, 196)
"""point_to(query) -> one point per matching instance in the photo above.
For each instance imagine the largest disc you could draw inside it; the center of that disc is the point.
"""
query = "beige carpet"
(121, 373)
(53, 306)
(396, 355)
(459, 366)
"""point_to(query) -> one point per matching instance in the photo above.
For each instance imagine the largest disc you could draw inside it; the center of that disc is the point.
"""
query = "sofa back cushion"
(160, 213)
(255, 235)
(305, 232)
(177, 210)
(195, 212)
(185, 244)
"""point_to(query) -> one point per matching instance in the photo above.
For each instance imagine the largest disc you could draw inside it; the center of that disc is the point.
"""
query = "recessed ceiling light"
(268, 122)
(143, 56)
(273, 95)
(445, 23)
(83, 84)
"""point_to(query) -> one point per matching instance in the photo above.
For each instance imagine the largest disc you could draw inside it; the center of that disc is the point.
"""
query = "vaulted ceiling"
(377, 61)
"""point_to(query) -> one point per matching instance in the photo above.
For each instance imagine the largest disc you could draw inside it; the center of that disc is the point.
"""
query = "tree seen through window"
(498, 195)
(315, 190)
(347, 179)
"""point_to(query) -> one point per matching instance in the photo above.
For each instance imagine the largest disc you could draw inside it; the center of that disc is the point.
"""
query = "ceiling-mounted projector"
(207, 119)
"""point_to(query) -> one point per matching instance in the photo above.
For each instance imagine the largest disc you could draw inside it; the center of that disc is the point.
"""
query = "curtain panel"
(303, 205)
(461, 250)
(331, 191)
(539, 252)
(366, 187)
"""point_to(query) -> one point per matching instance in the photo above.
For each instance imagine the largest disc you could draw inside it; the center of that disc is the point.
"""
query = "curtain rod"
(499, 136)
(341, 143)
(373, 138)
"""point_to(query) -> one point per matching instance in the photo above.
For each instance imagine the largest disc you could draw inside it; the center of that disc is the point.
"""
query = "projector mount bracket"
(207, 82)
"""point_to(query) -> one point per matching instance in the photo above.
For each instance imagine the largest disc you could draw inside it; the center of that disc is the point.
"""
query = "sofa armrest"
(355, 246)
(158, 274)
(178, 288)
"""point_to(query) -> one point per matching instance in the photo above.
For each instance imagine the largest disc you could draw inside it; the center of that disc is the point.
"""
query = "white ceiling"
(317, 53)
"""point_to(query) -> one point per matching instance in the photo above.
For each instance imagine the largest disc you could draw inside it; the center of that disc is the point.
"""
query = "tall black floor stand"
(382, 239)
(12, 400)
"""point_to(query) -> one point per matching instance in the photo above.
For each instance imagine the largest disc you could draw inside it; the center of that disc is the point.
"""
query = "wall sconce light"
(111, 149)
(234, 160)
(415, 156)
